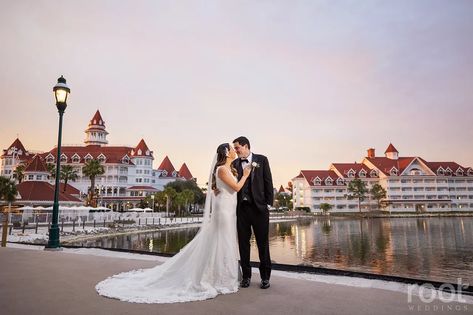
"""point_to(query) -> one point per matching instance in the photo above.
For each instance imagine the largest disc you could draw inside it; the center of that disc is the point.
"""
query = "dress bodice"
(224, 188)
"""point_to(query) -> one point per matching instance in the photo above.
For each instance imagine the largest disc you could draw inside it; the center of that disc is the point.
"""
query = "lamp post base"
(53, 243)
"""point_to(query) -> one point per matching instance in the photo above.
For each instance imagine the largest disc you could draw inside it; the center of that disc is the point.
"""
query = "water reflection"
(431, 248)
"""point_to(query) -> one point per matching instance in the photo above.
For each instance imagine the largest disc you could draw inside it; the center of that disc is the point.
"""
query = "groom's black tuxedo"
(252, 211)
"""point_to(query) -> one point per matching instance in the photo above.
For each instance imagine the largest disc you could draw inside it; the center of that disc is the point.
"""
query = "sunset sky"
(308, 82)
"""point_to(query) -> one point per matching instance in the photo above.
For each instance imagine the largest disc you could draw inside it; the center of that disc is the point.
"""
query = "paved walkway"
(40, 282)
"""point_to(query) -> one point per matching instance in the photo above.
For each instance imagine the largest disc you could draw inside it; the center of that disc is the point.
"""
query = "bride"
(206, 266)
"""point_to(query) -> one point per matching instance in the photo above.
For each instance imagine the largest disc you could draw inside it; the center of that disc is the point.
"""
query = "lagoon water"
(439, 248)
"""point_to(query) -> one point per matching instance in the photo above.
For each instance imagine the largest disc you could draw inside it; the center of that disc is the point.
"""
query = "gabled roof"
(112, 154)
(344, 168)
(391, 149)
(36, 165)
(434, 166)
(97, 119)
(281, 189)
(310, 175)
(167, 166)
(143, 148)
(18, 146)
(41, 191)
(385, 164)
(184, 172)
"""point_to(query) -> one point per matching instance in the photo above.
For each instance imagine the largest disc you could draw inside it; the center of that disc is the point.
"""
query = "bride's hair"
(222, 153)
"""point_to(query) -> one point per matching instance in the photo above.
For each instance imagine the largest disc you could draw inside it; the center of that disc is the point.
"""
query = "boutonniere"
(255, 165)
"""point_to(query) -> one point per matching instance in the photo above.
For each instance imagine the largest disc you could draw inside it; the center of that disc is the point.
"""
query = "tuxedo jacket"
(261, 182)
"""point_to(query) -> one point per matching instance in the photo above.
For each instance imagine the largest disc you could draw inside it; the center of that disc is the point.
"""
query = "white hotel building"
(412, 184)
(129, 174)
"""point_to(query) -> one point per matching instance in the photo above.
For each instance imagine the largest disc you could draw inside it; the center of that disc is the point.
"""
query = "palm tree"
(51, 169)
(8, 193)
(378, 193)
(325, 207)
(68, 172)
(170, 194)
(358, 190)
(19, 173)
(188, 197)
(92, 169)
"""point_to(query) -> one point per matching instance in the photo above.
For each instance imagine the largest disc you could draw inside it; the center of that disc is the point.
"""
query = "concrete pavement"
(44, 282)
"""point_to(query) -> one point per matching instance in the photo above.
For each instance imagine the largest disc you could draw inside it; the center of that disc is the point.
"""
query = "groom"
(254, 200)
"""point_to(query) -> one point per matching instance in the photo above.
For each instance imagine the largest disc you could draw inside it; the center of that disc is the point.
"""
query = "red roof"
(344, 168)
(71, 190)
(310, 175)
(142, 149)
(167, 166)
(97, 119)
(281, 189)
(112, 154)
(41, 191)
(142, 188)
(434, 166)
(385, 165)
(391, 148)
(36, 165)
(20, 149)
(184, 172)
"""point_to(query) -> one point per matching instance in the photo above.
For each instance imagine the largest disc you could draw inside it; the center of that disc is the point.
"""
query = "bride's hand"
(247, 170)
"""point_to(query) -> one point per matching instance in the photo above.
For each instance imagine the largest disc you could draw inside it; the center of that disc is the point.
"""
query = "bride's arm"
(225, 176)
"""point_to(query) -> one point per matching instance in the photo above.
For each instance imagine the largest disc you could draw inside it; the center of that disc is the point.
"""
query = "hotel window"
(101, 158)
(164, 173)
(75, 159)
(448, 172)
(30, 177)
(351, 173)
(63, 158)
(393, 171)
(415, 171)
(39, 177)
(362, 173)
(459, 172)
(50, 159)
(329, 181)
(373, 173)
(440, 171)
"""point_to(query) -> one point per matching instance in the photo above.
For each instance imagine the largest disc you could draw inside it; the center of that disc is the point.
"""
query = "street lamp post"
(61, 92)
(152, 200)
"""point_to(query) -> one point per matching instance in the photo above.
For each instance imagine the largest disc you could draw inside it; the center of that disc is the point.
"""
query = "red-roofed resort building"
(411, 183)
(129, 173)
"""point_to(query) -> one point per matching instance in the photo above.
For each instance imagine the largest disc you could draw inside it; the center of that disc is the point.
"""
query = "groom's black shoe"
(245, 283)
(264, 284)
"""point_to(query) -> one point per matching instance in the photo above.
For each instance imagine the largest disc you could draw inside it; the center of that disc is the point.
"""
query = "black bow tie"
(244, 160)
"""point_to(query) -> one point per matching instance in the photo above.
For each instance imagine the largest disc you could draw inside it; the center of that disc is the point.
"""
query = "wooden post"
(5, 227)
(36, 227)
(62, 224)
(94, 223)
(83, 225)
(73, 225)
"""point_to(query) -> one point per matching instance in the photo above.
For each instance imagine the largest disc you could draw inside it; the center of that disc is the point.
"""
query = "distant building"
(412, 184)
(129, 174)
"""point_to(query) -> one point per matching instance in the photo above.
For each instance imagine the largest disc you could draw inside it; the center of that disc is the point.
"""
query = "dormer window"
(140, 152)
(88, 158)
(329, 181)
(63, 158)
(147, 152)
(50, 158)
(164, 173)
(317, 181)
(448, 171)
(76, 158)
(126, 159)
(440, 171)
(459, 172)
(373, 173)
(393, 171)
(174, 174)
(415, 171)
(132, 152)
(101, 158)
(362, 173)
(351, 173)
(470, 172)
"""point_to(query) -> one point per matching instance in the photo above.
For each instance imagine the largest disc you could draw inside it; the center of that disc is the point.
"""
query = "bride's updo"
(223, 151)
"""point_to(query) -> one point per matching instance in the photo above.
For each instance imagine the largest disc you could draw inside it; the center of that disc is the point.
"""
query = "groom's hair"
(242, 141)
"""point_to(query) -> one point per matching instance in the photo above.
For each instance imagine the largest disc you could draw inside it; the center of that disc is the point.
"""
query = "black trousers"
(248, 216)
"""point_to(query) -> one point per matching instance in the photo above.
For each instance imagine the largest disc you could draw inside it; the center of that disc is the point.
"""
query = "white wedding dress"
(205, 267)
